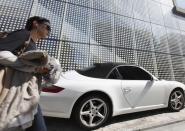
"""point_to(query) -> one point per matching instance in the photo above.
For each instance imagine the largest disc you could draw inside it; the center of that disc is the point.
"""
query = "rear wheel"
(176, 100)
(92, 112)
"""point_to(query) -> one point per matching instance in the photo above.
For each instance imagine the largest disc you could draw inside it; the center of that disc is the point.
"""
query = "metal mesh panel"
(182, 44)
(94, 54)
(178, 63)
(105, 5)
(146, 60)
(181, 22)
(164, 66)
(51, 46)
(160, 39)
(178, 68)
(125, 56)
(101, 28)
(169, 17)
(174, 40)
(155, 12)
(140, 9)
(143, 32)
(124, 32)
(124, 7)
(163, 59)
(13, 14)
(76, 24)
(143, 35)
(101, 54)
(74, 55)
(86, 3)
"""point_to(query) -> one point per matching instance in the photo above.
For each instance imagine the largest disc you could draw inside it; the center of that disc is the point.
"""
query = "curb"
(161, 125)
(157, 119)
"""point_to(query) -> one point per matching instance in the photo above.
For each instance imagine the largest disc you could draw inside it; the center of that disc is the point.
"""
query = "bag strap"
(26, 44)
(3, 35)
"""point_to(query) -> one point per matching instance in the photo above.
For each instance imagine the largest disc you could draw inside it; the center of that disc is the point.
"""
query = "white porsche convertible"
(94, 94)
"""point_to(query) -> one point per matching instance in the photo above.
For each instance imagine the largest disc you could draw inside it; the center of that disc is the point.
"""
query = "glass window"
(114, 75)
(133, 73)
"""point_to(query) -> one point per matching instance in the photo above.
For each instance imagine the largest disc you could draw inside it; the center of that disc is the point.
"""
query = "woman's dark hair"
(40, 20)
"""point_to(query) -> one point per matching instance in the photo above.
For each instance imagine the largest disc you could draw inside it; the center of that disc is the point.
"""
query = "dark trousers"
(38, 122)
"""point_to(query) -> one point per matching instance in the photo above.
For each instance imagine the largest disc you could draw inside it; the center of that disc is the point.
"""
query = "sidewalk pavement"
(180, 126)
(141, 121)
(147, 122)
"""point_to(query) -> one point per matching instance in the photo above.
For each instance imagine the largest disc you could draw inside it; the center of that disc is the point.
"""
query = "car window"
(113, 74)
(133, 73)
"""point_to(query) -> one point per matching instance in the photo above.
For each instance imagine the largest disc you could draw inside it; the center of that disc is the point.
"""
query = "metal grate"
(142, 32)
(14, 13)
(76, 24)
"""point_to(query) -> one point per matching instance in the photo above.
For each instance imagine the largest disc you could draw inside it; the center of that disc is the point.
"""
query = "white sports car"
(94, 94)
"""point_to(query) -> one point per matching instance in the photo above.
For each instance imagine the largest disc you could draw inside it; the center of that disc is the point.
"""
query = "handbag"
(19, 93)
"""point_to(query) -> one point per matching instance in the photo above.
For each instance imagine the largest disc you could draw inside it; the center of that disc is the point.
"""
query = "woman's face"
(43, 29)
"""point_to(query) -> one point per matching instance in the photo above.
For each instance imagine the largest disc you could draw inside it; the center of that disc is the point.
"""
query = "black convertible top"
(99, 70)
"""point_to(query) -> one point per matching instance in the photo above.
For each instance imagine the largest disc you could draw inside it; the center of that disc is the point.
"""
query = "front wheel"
(92, 112)
(176, 100)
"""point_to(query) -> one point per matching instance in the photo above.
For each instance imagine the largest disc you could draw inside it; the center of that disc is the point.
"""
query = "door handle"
(126, 90)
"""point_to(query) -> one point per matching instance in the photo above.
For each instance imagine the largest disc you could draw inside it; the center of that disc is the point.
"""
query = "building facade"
(140, 32)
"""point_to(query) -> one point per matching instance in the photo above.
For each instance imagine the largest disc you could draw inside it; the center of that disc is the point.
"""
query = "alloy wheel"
(177, 100)
(93, 112)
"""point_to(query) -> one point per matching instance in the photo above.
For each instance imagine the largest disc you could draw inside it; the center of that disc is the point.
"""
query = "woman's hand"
(42, 70)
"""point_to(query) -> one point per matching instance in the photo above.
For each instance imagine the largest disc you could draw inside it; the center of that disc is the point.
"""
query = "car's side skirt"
(138, 109)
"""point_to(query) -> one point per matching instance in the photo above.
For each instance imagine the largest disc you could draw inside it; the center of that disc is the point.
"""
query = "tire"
(176, 100)
(96, 111)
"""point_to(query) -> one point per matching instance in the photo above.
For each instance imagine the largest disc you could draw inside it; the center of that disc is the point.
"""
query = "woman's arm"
(14, 40)
(9, 59)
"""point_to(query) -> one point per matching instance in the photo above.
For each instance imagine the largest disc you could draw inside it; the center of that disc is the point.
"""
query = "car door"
(139, 87)
(119, 99)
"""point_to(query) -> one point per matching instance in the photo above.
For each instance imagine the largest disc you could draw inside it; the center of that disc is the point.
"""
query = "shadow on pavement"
(131, 116)
(60, 124)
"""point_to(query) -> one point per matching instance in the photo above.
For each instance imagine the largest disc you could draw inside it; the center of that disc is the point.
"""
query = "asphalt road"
(59, 124)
